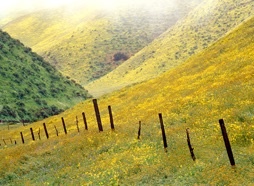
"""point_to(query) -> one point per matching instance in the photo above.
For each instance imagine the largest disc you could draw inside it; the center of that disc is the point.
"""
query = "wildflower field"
(214, 84)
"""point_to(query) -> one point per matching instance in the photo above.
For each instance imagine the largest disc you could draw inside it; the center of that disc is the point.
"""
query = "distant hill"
(8, 18)
(86, 43)
(203, 26)
(31, 88)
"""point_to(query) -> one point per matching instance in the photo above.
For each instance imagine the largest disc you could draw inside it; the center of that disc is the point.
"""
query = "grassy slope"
(30, 85)
(202, 27)
(217, 83)
(81, 43)
(6, 19)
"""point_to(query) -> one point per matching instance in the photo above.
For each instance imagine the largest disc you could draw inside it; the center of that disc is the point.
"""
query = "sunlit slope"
(14, 14)
(217, 83)
(41, 29)
(83, 42)
(203, 26)
(9, 18)
(31, 88)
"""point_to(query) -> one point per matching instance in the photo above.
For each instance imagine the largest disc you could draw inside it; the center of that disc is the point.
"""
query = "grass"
(202, 27)
(118, 158)
(217, 83)
(81, 43)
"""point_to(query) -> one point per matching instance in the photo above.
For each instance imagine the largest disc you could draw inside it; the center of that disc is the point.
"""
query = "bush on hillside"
(120, 56)
(7, 112)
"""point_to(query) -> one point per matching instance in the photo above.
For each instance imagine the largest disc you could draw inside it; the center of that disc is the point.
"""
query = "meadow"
(214, 84)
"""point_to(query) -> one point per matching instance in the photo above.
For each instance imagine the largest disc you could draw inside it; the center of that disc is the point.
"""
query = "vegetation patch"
(30, 86)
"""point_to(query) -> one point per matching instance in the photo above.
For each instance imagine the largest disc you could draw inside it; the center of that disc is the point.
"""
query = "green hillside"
(86, 43)
(216, 83)
(31, 88)
(202, 27)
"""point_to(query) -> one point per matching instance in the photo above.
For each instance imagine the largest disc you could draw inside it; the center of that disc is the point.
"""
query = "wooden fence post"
(32, 133)
(39, 133)
(56, 130)
(163, 133)
(111, 118)
(45, 129)
(77, 123)
(4, 142)
(97, 113)
(64, 126)
(227, 143)
(22, 137)
(139, 130)
(85, 122)
(189, 145)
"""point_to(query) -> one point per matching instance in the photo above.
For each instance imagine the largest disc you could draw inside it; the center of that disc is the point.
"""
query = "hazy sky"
(10, 6)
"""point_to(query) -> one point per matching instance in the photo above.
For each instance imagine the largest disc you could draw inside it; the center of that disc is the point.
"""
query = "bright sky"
(9, 6)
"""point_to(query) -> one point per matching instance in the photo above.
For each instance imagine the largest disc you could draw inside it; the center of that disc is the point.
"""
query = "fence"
(6, 142)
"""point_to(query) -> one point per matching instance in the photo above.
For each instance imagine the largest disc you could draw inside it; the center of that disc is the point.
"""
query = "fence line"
(112, 125)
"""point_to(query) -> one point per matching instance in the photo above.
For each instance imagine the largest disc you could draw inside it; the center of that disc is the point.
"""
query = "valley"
(197, 72)
(81, 41)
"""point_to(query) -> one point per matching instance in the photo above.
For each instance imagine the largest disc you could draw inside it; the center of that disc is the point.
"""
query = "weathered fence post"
(64, 126)
(4, 142)
(45, 129)
(77, 123)
(227, 143)
(189, 145)
(22, 137)
(163, 133)
(32, 133)
(139, 130)
(85, 122)
(39, 133)
(15, 142)
(56, 130)
(98, 117)
(111, 118)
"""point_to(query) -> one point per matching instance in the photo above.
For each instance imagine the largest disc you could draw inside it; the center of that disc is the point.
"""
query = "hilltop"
(86, 42)
(202, 27)
(213, 84)
(31, 88)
